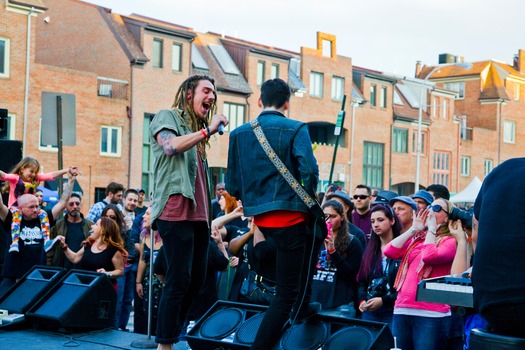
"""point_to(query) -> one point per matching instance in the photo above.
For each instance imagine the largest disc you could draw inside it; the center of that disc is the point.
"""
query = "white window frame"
(316, 84)
(382, 97)
(457, 86)
(274, 71)
(444, 111)
(236, 114)
(465, 166)
(509, 131)
(261, 68)
(7, 46)
(488, 165)
(338, 88)
(110, 140)
(517, 91)
(176, 57)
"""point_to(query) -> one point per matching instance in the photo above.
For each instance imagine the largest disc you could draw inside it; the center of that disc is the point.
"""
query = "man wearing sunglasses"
(361, 214)
(74, 227)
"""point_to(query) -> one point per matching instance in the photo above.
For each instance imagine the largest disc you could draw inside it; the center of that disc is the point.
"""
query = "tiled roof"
(406, 111)
(223, 81)
(129, 45)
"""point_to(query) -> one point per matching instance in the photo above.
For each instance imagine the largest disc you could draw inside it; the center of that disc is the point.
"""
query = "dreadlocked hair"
(186, 106)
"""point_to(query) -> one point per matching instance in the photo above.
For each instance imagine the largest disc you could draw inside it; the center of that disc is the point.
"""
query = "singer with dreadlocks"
(180, 208)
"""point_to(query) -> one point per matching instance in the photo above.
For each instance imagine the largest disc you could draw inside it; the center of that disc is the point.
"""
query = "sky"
(384, 35)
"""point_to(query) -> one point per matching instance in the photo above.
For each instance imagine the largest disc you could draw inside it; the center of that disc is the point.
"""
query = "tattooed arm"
(173, 144)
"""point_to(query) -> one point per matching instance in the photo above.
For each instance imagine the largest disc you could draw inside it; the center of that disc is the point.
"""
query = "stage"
(26, 337)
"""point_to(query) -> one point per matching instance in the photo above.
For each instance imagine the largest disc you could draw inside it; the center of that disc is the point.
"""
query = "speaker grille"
(354, 338)
(248, 330)
(304, 336)
(221, 323)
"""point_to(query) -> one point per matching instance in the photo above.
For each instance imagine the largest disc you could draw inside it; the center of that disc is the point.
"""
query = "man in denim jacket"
(277, 209)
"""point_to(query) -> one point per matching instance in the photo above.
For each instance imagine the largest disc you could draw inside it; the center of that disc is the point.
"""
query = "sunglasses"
(328, 216)
(112, 217)
(360, 196)
(437, 208)
(71, 204)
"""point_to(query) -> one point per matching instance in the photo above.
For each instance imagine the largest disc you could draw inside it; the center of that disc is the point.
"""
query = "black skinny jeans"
(185, 245)
(294, 249)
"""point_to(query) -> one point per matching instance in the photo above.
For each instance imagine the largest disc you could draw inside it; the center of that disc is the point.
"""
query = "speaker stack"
(30, 288)
(82, 299)
(229, 325)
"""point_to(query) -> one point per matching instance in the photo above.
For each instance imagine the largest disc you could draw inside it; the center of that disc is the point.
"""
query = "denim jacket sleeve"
(307, 165)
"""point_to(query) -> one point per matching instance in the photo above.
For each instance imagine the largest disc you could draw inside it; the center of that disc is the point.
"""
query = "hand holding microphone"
(220, 121)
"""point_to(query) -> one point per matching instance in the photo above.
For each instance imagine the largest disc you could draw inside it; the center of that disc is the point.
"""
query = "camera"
(464, 216)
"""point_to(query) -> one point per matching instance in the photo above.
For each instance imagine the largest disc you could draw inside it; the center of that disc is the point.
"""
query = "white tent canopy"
(469, 193)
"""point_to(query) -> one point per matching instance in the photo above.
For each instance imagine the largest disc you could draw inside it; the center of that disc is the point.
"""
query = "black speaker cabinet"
(30, 288)
(229, 325)
(11, 154)
(82, 299)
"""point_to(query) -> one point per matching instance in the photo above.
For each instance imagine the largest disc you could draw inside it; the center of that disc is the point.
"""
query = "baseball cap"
(384, 196)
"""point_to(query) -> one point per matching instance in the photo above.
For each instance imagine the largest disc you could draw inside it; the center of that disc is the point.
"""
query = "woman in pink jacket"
(427, 250)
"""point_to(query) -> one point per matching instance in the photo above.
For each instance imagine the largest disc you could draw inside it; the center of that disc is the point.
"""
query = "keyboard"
(455, 291)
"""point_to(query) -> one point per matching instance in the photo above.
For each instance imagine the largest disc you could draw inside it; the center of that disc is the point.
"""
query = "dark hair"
(114, 188)
(342, 240)
(372, 257)
(275, 93)
(74, 194)
(439, 191)
(120, 218)
(368, 189)
(130, 191)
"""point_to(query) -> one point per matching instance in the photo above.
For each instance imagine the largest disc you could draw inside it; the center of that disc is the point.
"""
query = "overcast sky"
(385, 35)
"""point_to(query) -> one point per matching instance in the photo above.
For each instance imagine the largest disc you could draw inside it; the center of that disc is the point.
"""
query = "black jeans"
(185, 245)
(295, 252)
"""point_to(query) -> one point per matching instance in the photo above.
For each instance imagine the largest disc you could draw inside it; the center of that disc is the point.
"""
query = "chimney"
(418, 68)
(521, 61)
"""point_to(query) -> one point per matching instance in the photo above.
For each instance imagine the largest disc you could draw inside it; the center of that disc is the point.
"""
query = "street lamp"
(420, 114)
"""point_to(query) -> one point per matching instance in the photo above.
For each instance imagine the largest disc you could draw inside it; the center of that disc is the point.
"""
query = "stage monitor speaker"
(229, 325)
(30, 288)
(11, 154)
(83, 299)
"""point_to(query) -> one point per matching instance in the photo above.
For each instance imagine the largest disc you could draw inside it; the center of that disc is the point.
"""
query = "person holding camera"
(377, 274)
(427, 250)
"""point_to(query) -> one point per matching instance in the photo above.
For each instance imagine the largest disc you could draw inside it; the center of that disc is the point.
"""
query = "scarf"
(17, 220)
(423, 270)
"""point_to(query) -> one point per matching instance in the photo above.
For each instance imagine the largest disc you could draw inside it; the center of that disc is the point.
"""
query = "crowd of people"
(257, 231)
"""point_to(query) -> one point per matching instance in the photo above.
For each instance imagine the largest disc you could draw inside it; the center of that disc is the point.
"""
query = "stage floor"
(22, 336)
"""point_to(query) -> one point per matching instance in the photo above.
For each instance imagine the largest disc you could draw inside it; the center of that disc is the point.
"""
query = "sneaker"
(307, 311)
(13, 248)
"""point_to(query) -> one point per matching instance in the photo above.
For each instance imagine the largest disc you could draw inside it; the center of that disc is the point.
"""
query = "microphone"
(221, 129)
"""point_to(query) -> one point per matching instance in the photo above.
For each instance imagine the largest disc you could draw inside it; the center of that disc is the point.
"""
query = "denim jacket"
(253, 178)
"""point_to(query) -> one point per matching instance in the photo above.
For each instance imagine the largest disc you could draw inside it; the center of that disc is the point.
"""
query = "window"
(373, 93)
(488, 164)
(261, 65)
(338, 88)
(7, 126)
(423, 142)
(459, 87)
(441, 168)
(197, 60)
(235, 114)
(444, 111)
(400, 140)
(176, 56)
(435, 107)
(316, 84)
(157, 53)
(509, 131)
(147, 157)
(225, 61)
(465, 166)
(275, 71)
(110, 141)
(382, 97)
(373, 164)
(4, 57)
(517, 91)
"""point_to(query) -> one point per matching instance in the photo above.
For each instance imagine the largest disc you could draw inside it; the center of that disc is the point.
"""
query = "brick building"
(123, 69)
